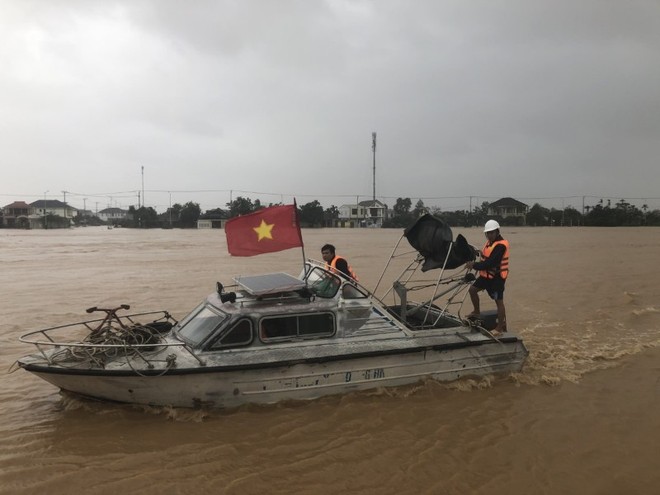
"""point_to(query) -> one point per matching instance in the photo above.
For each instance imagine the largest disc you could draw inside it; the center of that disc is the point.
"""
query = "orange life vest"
(503, 268)
(333, 267)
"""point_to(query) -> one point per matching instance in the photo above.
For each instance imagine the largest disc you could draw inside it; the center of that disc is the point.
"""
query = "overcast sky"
(273, 99)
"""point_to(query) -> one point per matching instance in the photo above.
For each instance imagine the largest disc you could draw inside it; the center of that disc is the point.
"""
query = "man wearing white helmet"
(493, 271)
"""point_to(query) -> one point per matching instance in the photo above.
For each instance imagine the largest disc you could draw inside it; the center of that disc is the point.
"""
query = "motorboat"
(273, 337)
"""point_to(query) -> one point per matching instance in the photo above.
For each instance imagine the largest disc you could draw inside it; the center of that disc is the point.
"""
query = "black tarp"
(432, 238)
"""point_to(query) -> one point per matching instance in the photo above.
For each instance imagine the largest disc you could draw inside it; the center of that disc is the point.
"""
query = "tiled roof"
(506, 202)
(16, 205)
(49, 203)
(372, 202)
(113, 210)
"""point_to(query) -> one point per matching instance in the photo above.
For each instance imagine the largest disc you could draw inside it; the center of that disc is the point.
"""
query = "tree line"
(603, 214)
(402, 214)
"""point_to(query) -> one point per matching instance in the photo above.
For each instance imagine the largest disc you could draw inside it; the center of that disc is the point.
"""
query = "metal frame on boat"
(278, 337)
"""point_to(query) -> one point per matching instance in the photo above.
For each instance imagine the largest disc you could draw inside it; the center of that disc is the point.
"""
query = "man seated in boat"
(336, 263)
(493, 271)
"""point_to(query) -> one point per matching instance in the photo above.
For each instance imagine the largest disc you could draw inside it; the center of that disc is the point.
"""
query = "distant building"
(371, 213)
(16, 215)
(112, 214)
(507, 208)
(43, 209)
(213, 220)
(86, 213)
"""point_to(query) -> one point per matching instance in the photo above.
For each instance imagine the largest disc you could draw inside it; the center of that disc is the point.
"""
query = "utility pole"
(470, 213)
(373, 149)
(45, 224)
(65, 208)
(143, 184)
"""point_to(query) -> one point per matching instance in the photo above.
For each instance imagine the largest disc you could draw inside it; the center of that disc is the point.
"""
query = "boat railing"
(108, 338)
(131, 319)
(409, 280)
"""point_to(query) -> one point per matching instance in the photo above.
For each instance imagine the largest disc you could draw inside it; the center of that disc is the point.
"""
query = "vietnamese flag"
(264, 231)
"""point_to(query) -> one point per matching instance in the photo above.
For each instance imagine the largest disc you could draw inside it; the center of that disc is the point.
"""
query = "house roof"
(507, 202)
(107, 211)
(367, 204)
(16, 205)
(224, 215)
(372, 202)
(49, 203)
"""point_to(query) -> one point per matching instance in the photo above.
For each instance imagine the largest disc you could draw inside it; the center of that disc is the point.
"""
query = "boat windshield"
(200, 324)
(323, 283)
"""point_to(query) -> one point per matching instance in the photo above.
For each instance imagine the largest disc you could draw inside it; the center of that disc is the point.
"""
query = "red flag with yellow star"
(265, 231)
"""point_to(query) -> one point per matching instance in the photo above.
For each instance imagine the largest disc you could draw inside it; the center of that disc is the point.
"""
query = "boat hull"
(227, 387)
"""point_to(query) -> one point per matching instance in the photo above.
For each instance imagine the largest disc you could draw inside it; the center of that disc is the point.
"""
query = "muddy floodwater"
(583, 417)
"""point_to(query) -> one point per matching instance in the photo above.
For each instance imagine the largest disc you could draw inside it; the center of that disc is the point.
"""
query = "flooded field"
(580, 418)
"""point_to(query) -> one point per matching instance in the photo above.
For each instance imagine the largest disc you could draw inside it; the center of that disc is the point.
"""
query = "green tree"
(572, 217)
(311, 214)
(652, 218)
(480, 214)
(330, 215)
(401, 216)
(144, 217)
(628, 214)
(190, 213)
(420, 209)
(623, 214)
(172, 215)
(458, 218)
(241, 206)
(402, 207)
(538, 215)
(556, 217)
(176, 212)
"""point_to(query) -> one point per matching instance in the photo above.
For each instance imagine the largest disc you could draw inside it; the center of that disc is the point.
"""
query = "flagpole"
(304, 259)
(302, 244)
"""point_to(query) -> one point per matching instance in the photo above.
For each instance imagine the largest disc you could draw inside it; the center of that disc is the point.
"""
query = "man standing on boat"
(493, 271)
(336, 263)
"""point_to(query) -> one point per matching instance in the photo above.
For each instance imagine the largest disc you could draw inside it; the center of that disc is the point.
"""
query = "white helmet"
(491, 225)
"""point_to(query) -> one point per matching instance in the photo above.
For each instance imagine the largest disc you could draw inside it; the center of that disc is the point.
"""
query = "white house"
(112, 214)
(43, 208)
(371, 213)
(508, 207)
(16, 215)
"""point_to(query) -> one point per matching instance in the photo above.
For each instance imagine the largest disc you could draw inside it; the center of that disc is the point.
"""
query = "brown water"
(582, 417)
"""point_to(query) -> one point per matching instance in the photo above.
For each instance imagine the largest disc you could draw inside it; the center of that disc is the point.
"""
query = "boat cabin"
(278, 308)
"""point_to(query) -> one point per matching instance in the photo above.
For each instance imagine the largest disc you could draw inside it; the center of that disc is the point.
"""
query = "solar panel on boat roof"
(259, 285)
